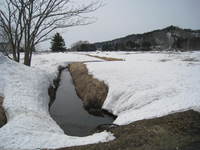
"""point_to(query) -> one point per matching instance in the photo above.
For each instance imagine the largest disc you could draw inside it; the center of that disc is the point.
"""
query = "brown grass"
(179, 131)
(3, 119)
(106, 58)
(92, 91)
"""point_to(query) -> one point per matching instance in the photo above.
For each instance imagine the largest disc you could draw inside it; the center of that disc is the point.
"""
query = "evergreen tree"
(58, 43)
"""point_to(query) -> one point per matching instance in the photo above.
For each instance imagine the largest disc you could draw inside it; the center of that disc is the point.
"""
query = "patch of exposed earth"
(179, 131)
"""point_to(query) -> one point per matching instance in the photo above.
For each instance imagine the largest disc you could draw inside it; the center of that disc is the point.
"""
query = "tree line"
(126, 46)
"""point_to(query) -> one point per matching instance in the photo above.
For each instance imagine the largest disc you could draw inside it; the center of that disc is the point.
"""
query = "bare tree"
(4, 43)
(29, 22)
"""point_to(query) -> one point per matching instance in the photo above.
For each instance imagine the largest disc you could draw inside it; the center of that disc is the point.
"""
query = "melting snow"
(149, 85)
(26, 103)
(145, 85)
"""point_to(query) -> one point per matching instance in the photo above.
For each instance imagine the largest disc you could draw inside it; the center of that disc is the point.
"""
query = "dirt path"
(180, 131)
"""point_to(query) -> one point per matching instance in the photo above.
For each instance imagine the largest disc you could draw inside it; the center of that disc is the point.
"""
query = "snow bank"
(149, 85)
(144, 86)
(26, 103)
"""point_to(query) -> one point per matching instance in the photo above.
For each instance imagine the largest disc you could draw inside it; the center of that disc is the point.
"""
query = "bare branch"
(31, 21)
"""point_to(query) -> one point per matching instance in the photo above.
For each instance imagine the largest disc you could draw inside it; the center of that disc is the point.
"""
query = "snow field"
(149, 85)
(145, 85)
(26, 101)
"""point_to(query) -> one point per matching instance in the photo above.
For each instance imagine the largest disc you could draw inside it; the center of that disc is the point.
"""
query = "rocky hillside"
(170, 38)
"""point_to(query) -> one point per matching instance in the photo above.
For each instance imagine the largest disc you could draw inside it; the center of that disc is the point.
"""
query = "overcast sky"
(123, 17)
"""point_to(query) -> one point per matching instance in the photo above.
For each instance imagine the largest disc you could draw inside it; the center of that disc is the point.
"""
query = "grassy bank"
(92, 91)
(179, 131)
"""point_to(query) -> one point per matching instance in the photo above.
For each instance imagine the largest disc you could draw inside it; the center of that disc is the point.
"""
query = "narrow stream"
(69, 113)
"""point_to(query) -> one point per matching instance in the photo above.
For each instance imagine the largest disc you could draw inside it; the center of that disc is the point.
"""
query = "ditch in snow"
(69, 113)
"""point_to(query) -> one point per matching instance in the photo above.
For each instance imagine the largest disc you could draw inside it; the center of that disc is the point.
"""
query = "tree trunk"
(27, 61)
(28, 55)
(14, 56)
(18, 55)
(14, 53)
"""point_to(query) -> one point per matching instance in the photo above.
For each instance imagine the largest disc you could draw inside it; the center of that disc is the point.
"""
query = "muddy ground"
(2, 113)
(179, 131)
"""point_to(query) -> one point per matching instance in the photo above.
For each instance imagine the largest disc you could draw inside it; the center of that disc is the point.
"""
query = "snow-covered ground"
(148, 85)
(145, 85)
(26, 104)
(50, 61)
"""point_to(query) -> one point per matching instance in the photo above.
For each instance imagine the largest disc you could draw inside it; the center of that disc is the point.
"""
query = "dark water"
(68, 111)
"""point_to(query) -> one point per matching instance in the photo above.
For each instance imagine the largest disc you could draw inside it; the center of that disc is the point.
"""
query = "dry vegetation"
(3, 119)
(92, 91)
(106, 58)
(179, 131)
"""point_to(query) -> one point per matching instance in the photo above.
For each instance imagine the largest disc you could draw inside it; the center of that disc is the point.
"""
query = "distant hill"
(170, 38)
